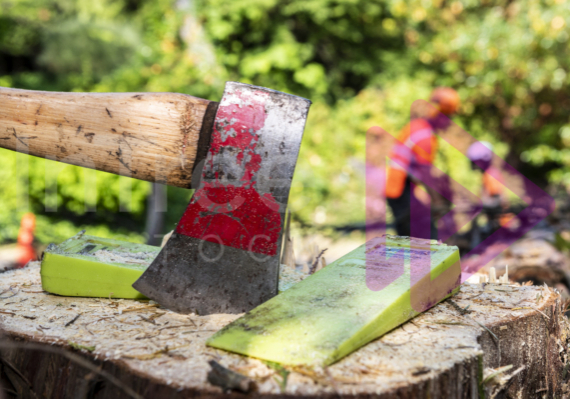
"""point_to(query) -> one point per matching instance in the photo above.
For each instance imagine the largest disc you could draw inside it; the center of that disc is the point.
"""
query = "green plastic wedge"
(334, 312)
(91, 266)
(95, 267)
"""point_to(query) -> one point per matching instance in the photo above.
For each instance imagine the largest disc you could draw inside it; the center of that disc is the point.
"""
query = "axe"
(239, 154)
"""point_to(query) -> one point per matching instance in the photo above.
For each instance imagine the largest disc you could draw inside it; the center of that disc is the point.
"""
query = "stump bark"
(61, 347)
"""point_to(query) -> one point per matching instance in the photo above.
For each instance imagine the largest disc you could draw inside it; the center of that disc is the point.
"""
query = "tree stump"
(65, 347)
(536, 259)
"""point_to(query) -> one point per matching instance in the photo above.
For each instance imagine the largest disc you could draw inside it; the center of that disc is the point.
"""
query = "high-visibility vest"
(416, 144)
(493, 181)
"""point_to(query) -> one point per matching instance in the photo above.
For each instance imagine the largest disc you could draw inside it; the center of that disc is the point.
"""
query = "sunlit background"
(361, 62)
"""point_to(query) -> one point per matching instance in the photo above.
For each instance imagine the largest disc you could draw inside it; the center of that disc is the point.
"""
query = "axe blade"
(224, 254)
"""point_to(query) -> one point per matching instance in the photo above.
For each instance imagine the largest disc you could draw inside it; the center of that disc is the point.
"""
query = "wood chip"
(72, 321)
(140, 308)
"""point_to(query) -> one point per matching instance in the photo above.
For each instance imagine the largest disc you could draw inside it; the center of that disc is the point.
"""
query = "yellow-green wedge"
(90, 266)
(333, 312)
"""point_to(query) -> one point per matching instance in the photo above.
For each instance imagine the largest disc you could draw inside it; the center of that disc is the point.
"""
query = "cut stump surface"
(139, 348)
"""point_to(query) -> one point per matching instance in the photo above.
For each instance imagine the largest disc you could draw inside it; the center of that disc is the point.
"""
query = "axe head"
(224, 254)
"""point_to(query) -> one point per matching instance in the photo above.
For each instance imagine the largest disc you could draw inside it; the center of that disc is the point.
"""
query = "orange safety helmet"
(447, 100)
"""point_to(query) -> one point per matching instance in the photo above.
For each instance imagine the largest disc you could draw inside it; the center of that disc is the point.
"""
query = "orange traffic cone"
(26, 239)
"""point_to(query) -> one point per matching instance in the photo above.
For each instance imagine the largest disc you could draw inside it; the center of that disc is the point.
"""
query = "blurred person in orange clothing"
(416, 148)
(493, 196)
(480, 154)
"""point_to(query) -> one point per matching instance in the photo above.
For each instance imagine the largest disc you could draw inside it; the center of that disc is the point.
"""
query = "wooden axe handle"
(157, 137)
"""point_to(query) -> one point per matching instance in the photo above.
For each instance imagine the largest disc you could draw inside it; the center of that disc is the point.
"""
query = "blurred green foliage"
(361, 62)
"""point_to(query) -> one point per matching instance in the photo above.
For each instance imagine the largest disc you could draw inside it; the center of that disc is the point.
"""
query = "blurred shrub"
(362, 62)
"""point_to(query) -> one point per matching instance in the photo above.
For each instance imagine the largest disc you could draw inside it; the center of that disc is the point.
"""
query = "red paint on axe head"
(236, 214)
(252, 226)
(236, 128)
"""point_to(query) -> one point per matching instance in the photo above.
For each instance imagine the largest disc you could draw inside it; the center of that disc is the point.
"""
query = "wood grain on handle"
(147, 136)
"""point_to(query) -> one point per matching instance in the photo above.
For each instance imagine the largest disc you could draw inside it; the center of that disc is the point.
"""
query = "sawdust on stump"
(445, 352)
